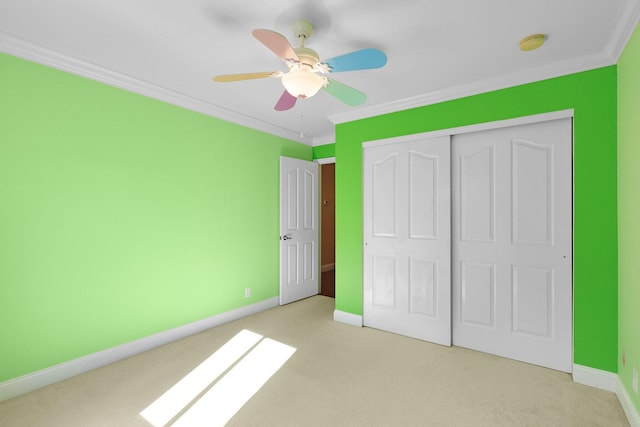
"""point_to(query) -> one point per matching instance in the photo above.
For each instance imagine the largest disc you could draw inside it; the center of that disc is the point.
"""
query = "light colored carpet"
(339, 375)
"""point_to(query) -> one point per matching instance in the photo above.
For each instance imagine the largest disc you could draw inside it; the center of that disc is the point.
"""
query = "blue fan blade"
(364, 59)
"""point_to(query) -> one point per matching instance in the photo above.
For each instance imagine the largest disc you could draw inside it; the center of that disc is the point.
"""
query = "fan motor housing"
(307, 56)
(302, 28)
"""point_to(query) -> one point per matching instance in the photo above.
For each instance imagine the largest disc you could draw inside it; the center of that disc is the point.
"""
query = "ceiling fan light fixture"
(304, 78)
(302, 83)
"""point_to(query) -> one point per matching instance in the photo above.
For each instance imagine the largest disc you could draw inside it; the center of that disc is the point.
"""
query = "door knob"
(287, 237)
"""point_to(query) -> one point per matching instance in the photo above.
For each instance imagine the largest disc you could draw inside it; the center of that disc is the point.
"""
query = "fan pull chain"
(302, 120)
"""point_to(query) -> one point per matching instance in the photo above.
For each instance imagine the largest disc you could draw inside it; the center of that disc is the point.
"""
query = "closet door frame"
(451, 132)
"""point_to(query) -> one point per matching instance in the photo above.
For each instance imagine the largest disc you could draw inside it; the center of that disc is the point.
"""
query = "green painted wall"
(592, 95)
(629, 212)
(324, 151)
(123, 216)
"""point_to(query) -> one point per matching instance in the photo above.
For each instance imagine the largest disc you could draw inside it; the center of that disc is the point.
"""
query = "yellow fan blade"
(246, 76)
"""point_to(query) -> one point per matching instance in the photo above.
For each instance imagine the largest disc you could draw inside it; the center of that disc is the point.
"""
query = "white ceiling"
(437, 49)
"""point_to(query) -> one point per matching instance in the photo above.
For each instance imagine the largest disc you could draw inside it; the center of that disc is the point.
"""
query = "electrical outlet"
(247, 292)
(634, 383)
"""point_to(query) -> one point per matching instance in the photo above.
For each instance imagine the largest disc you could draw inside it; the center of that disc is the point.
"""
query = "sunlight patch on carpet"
(254, 365)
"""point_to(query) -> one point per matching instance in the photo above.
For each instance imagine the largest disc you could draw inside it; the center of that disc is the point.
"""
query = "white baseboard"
(627, 404)
(610, 382)
(348, 318)
(595, 378)
(39, 379)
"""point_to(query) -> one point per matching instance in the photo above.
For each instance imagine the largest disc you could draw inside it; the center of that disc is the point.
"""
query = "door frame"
(498, 124)
(320, 162)
(524, 120)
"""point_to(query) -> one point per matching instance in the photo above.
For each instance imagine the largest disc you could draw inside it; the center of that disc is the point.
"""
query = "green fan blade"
(346, 94)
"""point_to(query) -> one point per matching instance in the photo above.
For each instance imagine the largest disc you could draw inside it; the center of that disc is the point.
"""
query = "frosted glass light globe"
(302, 83)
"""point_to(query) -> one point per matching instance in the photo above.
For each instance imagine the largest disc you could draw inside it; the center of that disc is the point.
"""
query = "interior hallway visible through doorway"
(328, 230)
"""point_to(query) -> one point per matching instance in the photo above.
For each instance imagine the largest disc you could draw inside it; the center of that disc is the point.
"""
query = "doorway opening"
(328, 230)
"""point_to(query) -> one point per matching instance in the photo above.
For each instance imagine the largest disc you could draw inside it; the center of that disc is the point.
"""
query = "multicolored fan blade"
(346, 94)
(286, 102)
(277, 43)
(246, 76)
(364, 59)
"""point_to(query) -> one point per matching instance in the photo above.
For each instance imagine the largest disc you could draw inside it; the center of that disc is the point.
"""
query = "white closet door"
(512, 235)
(407, 215)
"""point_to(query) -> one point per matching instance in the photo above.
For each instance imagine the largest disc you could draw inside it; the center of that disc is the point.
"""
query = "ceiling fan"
(305, 76)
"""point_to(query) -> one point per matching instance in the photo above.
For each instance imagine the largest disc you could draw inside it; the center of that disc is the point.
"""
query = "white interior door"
(298, 229)
(407, 286)
(512, 234)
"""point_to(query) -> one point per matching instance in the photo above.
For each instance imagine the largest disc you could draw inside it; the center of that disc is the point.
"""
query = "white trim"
(525, 120)
(610, 382)
(348, 318)
(29, 51)
(595, 378)
(42, 378)
(627, 404)
(325, 161)
(324, 140)
(625, 23)
(481, 86)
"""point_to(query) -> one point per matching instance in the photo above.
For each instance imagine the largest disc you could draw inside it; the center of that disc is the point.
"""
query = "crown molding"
(324, 140)
(625, 23)
(623, 27)
(32, 52)
(530, 75)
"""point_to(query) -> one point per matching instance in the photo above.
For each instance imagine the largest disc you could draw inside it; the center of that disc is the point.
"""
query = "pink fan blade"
(286, 102)
(277, 43)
